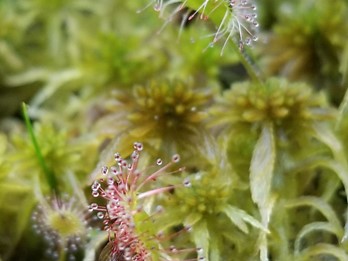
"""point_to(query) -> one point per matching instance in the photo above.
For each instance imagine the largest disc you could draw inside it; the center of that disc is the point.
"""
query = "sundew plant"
(174, 130)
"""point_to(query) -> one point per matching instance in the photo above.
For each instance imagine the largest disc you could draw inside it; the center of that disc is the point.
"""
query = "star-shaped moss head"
(290, 107)
(165, 114)
(308, 41)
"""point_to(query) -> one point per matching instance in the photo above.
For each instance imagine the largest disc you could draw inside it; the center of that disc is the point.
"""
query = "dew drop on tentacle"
(95, 186)
(138, 146)
(117, 156)
(124, 164)
(157, 6)
(248, 41)
(188, 228)
(93, 206)
(135, 155)
(173, 249)
(159, 209)
(159, 162)
(114, 170)
(175, 158)
(187, 183)
(199, 250)
(100, 215)
(105, 170)
(110, 181)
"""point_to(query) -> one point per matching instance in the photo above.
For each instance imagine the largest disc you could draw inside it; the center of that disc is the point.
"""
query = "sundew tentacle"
(131, 229)
(235, 19)
(63, 223)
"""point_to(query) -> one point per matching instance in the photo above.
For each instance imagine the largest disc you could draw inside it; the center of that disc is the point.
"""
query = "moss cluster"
(249, 94)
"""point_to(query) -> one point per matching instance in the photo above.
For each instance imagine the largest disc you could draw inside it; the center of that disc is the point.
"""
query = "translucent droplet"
(121, 246)
(255, 38)
(117, 156)
(248, 41)
(176, 158)
(95, 186)
(159, 209)
(105, 170)
(114, 170)
(138, 146)
(173, 249)
(124, 163)
(55, 255)
(95, 194)
(73, 247)
(135, 155)
(100, 215)
(94, 206)
(188, 228)
(159, 162)
(187, 183)
(110, 181)
(157, 7)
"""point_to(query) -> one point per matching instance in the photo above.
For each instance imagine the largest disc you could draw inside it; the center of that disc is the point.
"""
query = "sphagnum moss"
(313, 38)
(291, 107)
(207, 207)
(168, 115)
(308, 41)
(58, 151)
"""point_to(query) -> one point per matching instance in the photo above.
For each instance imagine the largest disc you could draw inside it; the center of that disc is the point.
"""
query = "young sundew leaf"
(261, 174)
